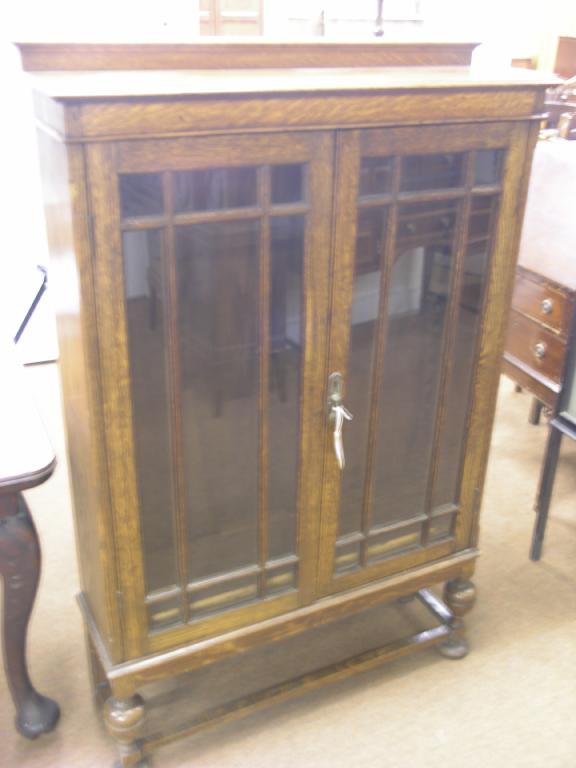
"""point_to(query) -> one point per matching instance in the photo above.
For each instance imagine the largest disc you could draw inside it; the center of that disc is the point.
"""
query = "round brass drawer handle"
(547, 306)
(540, 350)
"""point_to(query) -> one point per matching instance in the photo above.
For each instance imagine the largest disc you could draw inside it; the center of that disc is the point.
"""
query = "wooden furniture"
(26, 460)
(563, 422)
(244, 256)
(544, 298)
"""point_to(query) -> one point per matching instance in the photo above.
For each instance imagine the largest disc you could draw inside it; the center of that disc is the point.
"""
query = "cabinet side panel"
(68, 233)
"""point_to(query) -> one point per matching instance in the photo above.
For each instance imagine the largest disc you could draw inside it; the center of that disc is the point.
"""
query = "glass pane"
(420, 172)
(165, 613)
(347, 556)
(141, 195)
(279, 580)
(223, 595)
(365, 309)
(145, 313)
(286, 341)
(489, 165)
(214, 189)
(481, 226)
(397, 541)
(375, 176)
(417, 313)
(441, 528)
(217, 269)
(287, 184)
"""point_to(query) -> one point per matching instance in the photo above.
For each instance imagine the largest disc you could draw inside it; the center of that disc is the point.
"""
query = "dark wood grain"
(20, 569)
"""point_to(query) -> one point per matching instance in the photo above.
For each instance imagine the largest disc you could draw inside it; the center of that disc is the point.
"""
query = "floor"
(511, 703)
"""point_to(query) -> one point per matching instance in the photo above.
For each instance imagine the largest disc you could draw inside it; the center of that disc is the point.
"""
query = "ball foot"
(37, 715)
(454, 648)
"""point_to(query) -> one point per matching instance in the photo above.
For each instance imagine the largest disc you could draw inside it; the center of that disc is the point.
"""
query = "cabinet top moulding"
(231, 53)
(343, 85)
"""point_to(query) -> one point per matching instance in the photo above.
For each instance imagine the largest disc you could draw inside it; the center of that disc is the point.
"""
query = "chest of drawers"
(544, 299)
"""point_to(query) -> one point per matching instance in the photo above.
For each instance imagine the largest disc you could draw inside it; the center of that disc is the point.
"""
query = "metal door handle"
(337, 413)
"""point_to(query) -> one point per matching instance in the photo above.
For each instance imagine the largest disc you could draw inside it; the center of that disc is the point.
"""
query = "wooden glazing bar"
(264, 197)
(281, 562)
(386, 264)
(374, 201)
(226, 600)
(140, 223)
(386, 528)
(450, 333)
(223, 215)
(160, 595)
(350, 538)
(427, 196)
(445, 509)
(289, 209)
(432, 195)
(487, 189)
(175, 396)
(223, 578)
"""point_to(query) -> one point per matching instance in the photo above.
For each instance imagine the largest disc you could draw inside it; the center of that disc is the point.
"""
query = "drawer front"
(536, 347)
(542, 303)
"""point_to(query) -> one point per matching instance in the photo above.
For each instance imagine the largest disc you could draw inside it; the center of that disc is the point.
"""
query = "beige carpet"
(511, 702)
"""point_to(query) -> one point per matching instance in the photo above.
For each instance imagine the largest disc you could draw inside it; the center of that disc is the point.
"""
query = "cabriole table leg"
(20, 568)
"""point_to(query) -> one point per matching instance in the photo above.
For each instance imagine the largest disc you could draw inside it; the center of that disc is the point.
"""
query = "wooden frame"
(104, 164)
(396, 143)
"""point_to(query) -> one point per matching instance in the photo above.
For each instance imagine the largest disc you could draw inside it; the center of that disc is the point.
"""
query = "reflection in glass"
(420, 172)
(214, 189)
(417, 312)
(347, 556)
(480, 233)
(365, 308)
(217, 270)
(281, 579)
(489, 166)
(375, 176)
(286, 337)
(145, 319)
(165, 613)
(441, 528)
(287, 184)
(394, 542)
(221, 596)
(141, 195)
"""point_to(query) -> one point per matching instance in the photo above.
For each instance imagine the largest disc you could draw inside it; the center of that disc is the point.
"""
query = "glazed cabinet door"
(423, 249)
(212, 265)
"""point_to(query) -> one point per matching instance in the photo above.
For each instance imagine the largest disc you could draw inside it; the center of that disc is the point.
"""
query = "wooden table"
(26, 460)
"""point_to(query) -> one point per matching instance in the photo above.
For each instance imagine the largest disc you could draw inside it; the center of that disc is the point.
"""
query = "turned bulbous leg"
(460, 596)
(124, 719)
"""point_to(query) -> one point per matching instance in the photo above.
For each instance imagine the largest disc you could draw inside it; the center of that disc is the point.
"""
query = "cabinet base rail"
(446, 634)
